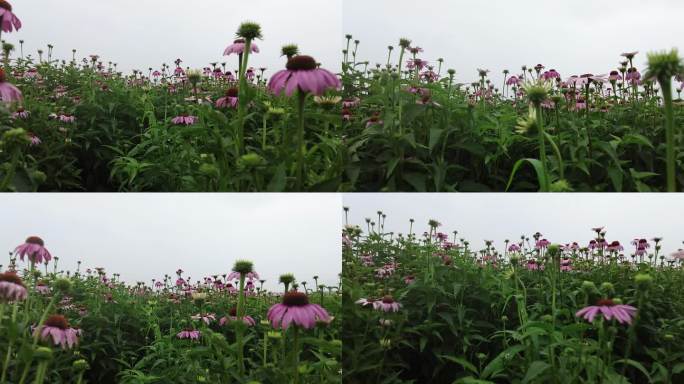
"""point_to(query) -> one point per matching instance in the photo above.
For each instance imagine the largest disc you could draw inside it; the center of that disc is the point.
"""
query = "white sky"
(573, 37)
(561, 218)
(141, 34)
(144, 236)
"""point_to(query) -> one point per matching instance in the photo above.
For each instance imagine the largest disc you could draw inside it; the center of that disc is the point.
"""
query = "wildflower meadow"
(431, 307)
(417, 126)
(89, 326)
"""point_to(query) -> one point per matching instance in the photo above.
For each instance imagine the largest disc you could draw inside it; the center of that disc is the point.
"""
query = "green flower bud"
(243, 267)
(43, 354)
(80, 365)
(249, 30)
(63, 285)
(251, 160)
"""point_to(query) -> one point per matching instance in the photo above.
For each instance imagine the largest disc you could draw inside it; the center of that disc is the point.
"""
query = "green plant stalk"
(300, 138)
(242, 97)
(295, 358)
(40, 372)
(666, 87)
(5, 364)
(238, 329)
(542, 148)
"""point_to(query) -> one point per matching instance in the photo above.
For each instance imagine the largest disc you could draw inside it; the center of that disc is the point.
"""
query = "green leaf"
(538, 168)
(535, 369)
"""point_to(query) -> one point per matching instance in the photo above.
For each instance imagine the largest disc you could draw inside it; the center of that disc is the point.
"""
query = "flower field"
(417, 127)
(88, 326)
(408, 124)
(78, 124)
(433, 307)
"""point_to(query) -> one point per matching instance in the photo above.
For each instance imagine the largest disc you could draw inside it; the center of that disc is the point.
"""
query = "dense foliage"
(434, 308)
(169, 331)
(415, 128)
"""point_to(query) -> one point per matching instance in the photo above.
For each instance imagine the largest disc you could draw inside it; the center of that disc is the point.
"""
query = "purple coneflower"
(21, 113)
(296, 309)
(302, 73)
(56, 327)
(386, 304)
(229, 100)
(207, 318)
(66, 118)
(11, 287)
(606, 307)
(232, 316)
(238, 47)
(189, 333)
(35, 140)
(34, 248)
(8, 92)
(10, 21)
(236, 275)
(184, 119)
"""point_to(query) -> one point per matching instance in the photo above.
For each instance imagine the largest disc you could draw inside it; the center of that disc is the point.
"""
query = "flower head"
(10, 21)
(57, 329)
(296, 309)
(609, 310)
(34, 248)
(11, 287)
(238, 47)
(386, 304)
(302, 73)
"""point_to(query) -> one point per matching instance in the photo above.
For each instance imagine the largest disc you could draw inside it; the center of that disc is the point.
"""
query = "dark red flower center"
(57, 321)
(11, 277)
(295, 299)
(232, 92)
(35, 240)
(233, 312)
(301, 63)
(238, 41)
(605, 303)
(387, 299)
(3, 76)
(4, 4)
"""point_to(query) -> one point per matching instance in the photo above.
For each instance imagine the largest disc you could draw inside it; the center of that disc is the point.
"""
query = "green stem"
(666, 87)
(300, 139)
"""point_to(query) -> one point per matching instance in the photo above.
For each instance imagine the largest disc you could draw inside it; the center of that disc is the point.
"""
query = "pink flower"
(409, 279)
(10, 21)
(364, 302)
(57, 328)
(232, 316)
(11, 287)
(238, 47)
(614, 76)
(34, 248)
(35, 140)
(387, 304)
(229, 100)
(8, 92)
(20, 113)
(351, 103)
(542, 244)
(207, 318)
(679, 255)
(236, 275)
(189, 333)
(303, 74)
(66, 118)
(565, 265)
(42, 288)
(513, 80)
(550, 74)
(622, 313)
(184, 119)
(513, 248)
(296, 309)
(615, 246)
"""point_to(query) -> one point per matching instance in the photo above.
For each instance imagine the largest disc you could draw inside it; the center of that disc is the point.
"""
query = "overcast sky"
(574, 37)
(142, 34)
(144, 236)
(561, 218)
